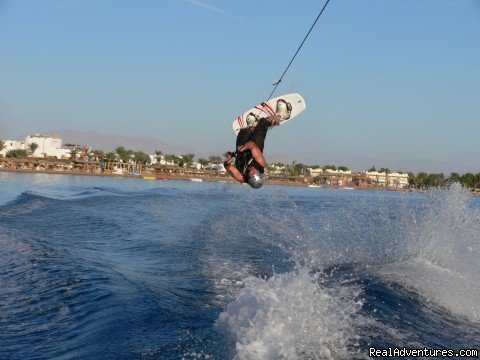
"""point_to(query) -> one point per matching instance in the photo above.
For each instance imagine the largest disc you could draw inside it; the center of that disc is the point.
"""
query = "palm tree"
(171, 158)
(214, 160)
(73, 153)
(141, 157)
(421, 178)
(158, 155)
(203, 162)
(33, 146)
(96, 155)
(110, 157)
(17, 153)
(187, 159)
(124, 154)
(2, 145)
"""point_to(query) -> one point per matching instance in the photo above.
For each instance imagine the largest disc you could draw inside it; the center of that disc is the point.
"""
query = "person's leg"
(260, 133)
(242, 137)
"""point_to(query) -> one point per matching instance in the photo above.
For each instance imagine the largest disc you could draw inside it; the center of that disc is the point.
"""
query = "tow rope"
(296, 52)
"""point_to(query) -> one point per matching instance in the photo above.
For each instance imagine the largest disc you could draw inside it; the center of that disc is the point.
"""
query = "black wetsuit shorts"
(257, 135)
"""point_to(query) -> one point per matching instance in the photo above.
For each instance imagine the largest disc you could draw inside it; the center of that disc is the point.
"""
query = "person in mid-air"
(249, 165)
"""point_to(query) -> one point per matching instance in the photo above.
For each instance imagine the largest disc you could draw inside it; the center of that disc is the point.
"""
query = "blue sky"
(383, 79)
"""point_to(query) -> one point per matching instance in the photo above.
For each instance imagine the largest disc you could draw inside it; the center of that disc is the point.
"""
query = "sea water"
(114, 268)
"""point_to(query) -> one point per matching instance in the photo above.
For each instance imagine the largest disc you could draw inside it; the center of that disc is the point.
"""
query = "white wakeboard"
(297, 105)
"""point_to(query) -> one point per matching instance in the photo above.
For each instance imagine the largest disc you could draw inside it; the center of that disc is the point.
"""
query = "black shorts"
(257, 135)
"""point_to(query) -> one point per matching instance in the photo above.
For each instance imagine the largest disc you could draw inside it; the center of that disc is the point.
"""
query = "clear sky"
(388, 79)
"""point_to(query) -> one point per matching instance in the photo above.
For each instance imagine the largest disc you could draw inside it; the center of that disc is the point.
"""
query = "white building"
(339, 177)
(393, 180)
(276, 169)
(47, 146)
(332, 177)
(217, 167)
(315, 171)
(338, 172)
(196, 165)
(398, 180)
(153, 160)
(319, 171)
(12, 145)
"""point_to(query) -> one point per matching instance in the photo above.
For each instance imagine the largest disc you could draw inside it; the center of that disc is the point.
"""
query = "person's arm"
(256, 152)
(232, 170)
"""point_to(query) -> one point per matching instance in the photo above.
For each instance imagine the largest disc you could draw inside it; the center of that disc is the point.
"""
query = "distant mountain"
(107, 142)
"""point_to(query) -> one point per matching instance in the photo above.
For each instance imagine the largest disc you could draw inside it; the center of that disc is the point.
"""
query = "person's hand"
(247, 146)
(275, 120)
(228, 162)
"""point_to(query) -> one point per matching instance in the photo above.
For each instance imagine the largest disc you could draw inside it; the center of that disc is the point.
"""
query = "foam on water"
(292, 315)
(430, 244)
(445, 247)
(288, 315)
(427, 244)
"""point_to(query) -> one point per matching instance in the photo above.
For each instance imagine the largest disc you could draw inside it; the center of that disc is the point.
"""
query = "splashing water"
(316, 311)
(292, 315)
(206, 271)
(445, 248)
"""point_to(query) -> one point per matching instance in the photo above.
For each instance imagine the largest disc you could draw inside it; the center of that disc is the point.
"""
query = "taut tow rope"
(295, 55)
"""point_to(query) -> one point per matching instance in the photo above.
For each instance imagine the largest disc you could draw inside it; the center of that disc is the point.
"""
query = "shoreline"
(207, 178)
(203, 177)
(150, 177)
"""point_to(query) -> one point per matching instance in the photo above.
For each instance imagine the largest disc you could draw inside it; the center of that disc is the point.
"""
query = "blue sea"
(114, 268)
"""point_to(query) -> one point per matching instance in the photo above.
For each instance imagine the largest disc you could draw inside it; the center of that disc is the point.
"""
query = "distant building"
(398, 180)
(339, 177)
(218, 167)
(332, 177)
(47, 146)
(196, 165)
(391, 180)
(315, 171)
(12, 145)
(275, 169)
(157, 160)
(379, 178)
(339, 172)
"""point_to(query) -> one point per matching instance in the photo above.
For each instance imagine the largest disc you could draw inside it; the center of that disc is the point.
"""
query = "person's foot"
(284, 109)
(252, 119)
(274, 120)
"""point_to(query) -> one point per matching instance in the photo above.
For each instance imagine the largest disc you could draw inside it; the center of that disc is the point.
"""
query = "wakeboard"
(291, 105)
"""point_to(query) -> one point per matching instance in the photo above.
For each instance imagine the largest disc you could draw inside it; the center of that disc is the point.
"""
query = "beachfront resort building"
(332, 177)
(12, 145)
(277, 169)
(391, 180)
(339, 177)
(47, 146)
